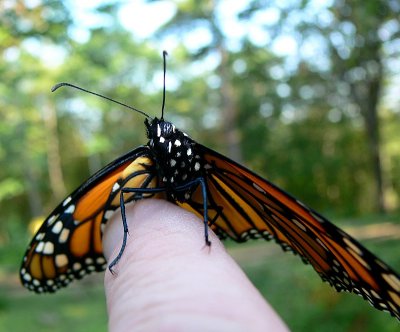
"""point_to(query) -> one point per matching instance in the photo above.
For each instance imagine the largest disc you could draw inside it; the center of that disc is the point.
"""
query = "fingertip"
(168, 277)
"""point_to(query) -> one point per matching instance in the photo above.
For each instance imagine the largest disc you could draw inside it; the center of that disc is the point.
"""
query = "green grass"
(292, 288)
(77, 308)
(307, 304)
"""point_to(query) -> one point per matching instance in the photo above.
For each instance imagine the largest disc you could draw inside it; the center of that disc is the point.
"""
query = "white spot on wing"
(64, 235)
(189, 151)
(39, 247)
(48, 248)
(172, 162)
(115, 187)
(196, 166)
(89, 261)
(100, 260)
(27, 277)
(67, 200)
(40, 236)
(108, 214)
(51, 219)
(70, 209)
(61, 260)
(299, 225)
(57, 227)
(158, 130)
(256, 186)
(77, 266)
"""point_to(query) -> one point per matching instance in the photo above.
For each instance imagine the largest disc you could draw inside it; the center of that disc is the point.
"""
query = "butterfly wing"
(242, 205)
(68, 244)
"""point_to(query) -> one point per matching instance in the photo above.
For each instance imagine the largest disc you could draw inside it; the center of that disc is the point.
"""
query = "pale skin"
(168, 280)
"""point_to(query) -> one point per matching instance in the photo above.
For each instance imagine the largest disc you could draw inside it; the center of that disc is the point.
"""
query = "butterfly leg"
(190, 184)
(153, 191)
(124, 222)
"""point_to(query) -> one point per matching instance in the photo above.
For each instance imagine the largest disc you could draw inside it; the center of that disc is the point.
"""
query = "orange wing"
(68, 244)
(243, 206)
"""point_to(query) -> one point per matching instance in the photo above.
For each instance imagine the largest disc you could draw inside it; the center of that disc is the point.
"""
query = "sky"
(143, 19)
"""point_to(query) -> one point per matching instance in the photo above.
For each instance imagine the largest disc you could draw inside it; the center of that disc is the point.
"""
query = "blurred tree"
(23, 27)
(190, 17)
(345, 45)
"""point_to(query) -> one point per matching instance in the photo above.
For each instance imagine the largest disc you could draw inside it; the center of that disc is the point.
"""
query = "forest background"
(305, 93)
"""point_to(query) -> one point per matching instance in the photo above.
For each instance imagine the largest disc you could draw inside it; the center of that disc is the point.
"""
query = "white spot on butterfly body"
(158, 130)
(162, 139)
(172, 162)
(177, 142)
(169, 146)
(189, 152)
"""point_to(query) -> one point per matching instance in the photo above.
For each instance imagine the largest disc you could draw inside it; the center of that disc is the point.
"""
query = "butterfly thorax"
(176, 157)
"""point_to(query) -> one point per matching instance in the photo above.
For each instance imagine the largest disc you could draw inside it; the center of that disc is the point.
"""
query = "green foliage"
(300, 120)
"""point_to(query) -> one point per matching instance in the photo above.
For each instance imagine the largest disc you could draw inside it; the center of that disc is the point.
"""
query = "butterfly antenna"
(59, 85)
(165, 70)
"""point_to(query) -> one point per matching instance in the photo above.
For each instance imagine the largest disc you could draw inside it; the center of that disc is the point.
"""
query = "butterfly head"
(160, 130)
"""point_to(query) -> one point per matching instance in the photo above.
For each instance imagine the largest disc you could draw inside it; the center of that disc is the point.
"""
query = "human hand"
(168, 280)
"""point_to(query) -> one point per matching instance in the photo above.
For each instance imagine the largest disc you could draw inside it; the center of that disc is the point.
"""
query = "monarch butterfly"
(232, 200)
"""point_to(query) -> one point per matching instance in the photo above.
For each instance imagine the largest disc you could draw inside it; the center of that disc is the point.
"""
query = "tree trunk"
(53, 153)
(366, 94)
(229, 109)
